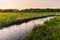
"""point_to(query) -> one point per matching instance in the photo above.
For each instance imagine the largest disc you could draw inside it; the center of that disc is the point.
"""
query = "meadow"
(6, 18)
(50, 30)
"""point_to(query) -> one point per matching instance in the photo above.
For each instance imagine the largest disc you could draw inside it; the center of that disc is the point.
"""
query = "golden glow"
(22, 4)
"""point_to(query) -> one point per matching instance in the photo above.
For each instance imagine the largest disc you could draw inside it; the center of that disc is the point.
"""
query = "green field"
(50, 30)
(8, 17)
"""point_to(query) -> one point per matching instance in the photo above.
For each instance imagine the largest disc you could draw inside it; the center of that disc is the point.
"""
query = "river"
(18, 32)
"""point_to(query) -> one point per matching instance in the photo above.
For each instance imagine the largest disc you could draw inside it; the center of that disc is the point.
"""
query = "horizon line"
(28, 8)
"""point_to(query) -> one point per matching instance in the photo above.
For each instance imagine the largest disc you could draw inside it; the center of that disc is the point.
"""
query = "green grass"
(8, 17)
(50, 30)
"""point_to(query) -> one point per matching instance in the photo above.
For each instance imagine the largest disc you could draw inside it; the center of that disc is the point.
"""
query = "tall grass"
(50, 30)
(6, 18)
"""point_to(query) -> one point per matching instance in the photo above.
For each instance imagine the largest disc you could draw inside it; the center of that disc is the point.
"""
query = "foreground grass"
(50, 30)
(8, 17)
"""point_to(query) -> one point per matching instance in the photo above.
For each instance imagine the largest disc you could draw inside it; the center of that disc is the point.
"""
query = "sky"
(22, 4)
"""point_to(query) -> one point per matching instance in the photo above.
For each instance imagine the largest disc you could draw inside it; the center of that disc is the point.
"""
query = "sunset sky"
(22, 4)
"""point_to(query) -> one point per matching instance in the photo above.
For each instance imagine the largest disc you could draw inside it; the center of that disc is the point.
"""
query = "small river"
(18, 32)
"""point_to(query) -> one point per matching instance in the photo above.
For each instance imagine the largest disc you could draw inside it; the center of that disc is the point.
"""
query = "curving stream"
(18, 32)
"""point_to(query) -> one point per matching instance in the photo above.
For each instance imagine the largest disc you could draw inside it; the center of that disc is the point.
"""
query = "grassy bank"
(9, 17)
(50, 30)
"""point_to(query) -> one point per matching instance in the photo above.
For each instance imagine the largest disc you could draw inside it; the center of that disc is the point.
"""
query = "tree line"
(9, 10)
(30, 10)
(41, 10)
